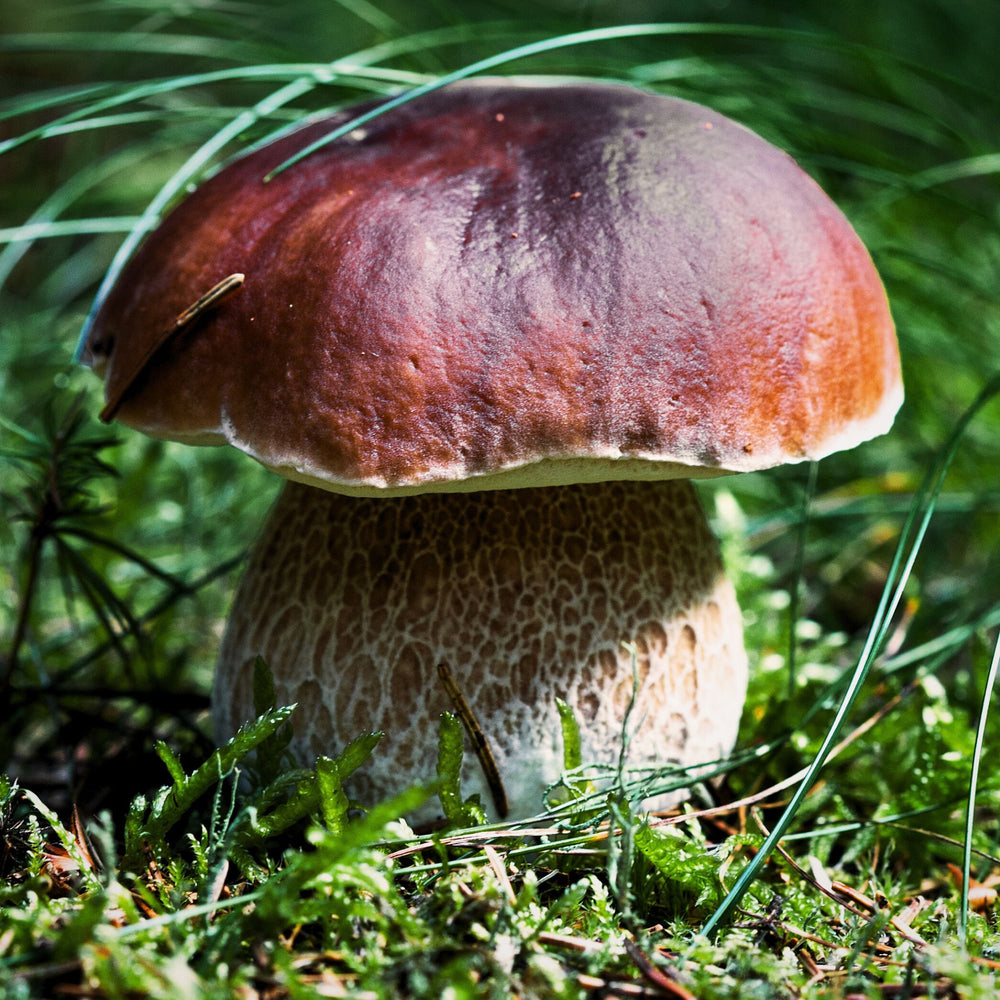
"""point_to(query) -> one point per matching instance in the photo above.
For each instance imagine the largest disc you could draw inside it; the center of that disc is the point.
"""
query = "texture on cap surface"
(546, 283)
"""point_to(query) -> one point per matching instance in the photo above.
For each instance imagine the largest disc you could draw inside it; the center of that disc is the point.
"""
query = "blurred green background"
(891, 105)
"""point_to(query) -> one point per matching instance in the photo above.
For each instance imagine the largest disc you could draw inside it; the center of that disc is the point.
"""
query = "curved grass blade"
(16, 107)
(472, 69)
(795, 590)
(191, 166)
(941, 174)
(329, 73)
(944, 644)
(47, 214)
(154, 88)
(183, 46)
(573, 39)
(909, 544)
(963, 913)
(46, 229)
(356, 70)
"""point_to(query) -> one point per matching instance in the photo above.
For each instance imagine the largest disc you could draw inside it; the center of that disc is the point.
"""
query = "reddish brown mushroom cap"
(527, 283)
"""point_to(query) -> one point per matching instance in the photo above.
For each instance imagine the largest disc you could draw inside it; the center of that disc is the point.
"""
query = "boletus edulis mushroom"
(491, 335)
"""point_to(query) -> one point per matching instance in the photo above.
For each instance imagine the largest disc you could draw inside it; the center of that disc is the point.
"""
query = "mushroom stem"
(527, 595)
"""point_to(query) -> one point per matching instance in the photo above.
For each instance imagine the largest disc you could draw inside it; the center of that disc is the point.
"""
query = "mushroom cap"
(503, 284)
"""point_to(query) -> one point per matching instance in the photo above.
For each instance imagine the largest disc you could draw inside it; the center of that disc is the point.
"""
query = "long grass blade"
(59, 200)
(279, 72)
(908, 547)
(573, 39)
(190, 168)
(970, 813)
(182, 46)
(47, 229)
(795, 589)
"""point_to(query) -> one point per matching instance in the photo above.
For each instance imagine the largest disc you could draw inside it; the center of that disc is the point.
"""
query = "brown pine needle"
(479, 742)
(213, 297)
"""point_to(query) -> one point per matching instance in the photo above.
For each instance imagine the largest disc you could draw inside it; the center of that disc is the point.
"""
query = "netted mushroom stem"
(527, 595)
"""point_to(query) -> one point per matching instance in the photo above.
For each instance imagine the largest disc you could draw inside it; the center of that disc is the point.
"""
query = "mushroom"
(501, 327)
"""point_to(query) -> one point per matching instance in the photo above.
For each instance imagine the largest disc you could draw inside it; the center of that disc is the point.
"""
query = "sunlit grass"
(112, 111)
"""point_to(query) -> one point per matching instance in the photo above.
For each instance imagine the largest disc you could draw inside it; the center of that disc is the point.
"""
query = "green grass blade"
(795, 589)
(16, 107)
(196, 162)
(181, 46)
(48, 212)
(906, 553)
(155, 88)
(963, 913)
(574, 39)
(31, 231)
